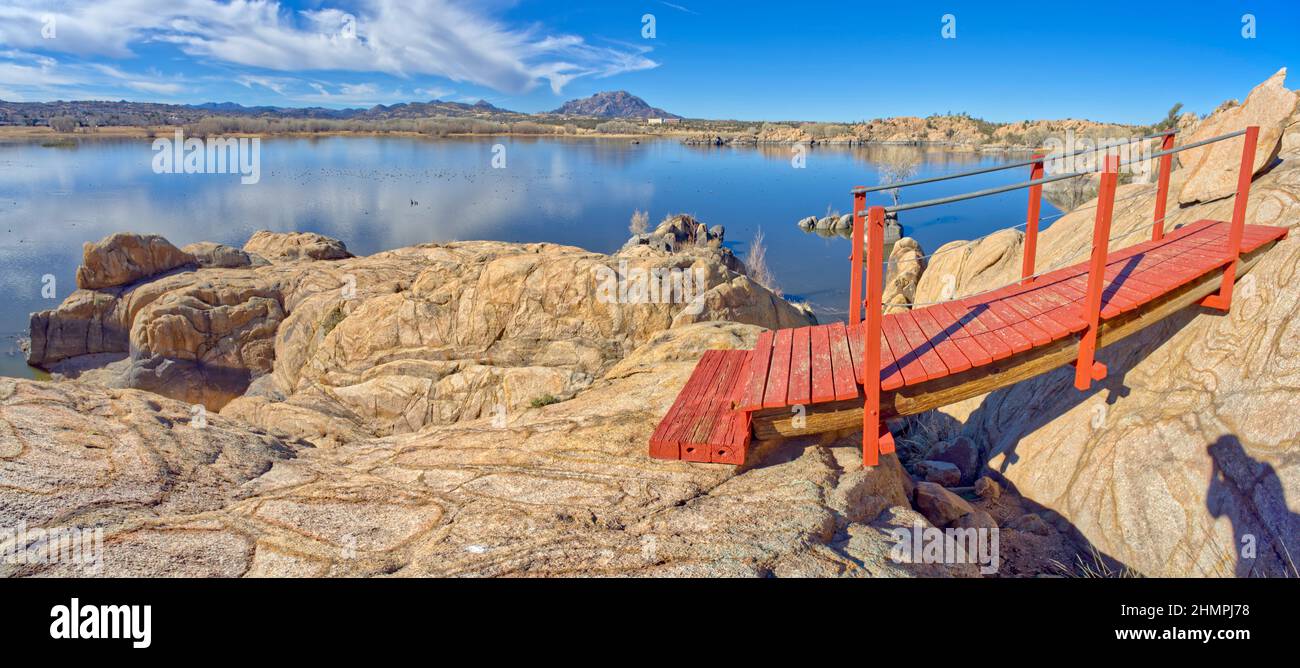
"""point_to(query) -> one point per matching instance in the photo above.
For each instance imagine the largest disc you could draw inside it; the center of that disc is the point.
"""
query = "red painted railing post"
(876, 439)
(1031, 221)
(855, 277)
(1162, 192)
(1223, 299)
(1087, 368)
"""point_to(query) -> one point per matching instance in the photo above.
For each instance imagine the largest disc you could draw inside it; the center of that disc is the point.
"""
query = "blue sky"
(750, 60)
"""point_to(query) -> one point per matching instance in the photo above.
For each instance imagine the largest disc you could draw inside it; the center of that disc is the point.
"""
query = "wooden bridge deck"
(960, 342)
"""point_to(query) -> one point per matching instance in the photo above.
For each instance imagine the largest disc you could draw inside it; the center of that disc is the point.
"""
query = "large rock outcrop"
(396, 341)
(123, 258)
(287, 246)
(76, 456)
(564, 489)
(1183, 461)
(1213, 169)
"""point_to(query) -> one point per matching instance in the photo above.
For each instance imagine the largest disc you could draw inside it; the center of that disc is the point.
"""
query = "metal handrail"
(1009, 165)
(1048, 179)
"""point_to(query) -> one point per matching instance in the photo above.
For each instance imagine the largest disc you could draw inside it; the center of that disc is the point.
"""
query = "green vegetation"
(332, 320)
(1171, 119)
(620, 128)
(544, 400)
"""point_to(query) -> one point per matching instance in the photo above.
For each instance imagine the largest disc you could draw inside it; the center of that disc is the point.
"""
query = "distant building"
(655, 121)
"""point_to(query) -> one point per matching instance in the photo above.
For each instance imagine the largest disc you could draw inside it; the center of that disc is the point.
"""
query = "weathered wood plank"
(846, 382)
(778, 374)
(751, 398)
(823, 375)
(800, 391)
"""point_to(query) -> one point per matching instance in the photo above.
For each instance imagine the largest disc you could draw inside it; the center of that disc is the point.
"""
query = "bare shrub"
(63, 124)
(640, 221)
(756, 263)
(898, 164)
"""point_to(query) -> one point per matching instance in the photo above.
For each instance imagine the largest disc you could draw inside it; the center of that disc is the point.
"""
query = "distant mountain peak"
(612, 104)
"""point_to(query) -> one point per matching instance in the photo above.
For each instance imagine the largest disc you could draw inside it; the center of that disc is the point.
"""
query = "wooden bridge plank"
(959, 334)
(778, 373)
(687, 402)
(891, 376)
(846, 381)
(932, 365)
(996, 348)
(1139, 280)
(986, 317)
(855, 350)
(907, 363)
(666, 444)
(717, 398)
(1058, 305)
(800, 391)
(1034, 314)
(823, 375)
(751, 398)
(940, 338)
(692, 436)
(1014, 321)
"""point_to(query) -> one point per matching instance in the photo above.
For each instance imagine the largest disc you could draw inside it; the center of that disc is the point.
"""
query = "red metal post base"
(875, 437)
(1222, 300)
(1086, 368)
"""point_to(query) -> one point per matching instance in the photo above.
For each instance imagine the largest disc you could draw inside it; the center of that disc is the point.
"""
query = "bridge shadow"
(1111, 289)
(1246, 491)
(1249, 493)
(1120, 279)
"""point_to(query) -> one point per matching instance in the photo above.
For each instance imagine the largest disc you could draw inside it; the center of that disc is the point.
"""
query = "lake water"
(361, 189)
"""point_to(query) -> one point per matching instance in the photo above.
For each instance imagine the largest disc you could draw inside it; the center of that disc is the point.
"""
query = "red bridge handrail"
(876, 438)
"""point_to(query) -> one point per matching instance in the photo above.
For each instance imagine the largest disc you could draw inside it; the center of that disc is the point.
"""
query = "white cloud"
(138, 82)
(275, 84)
(403, 38)
(435, 93)
(347, 94)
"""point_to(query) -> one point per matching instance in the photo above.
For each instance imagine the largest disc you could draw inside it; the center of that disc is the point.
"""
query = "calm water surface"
(360, 190)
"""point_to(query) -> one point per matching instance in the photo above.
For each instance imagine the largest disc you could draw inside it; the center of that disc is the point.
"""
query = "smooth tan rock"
(1031, 523)
(83, 457)
(288, 246)
(403, 339)
(988, 488)
(1214, 168)
(121, 259)
(942, 473)
(86, 323)
(961, 268)
(209, 254)
(976, 519)
(906, 263)
(939, 505)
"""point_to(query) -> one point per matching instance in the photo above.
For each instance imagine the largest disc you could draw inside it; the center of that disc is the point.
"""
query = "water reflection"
(381, 193)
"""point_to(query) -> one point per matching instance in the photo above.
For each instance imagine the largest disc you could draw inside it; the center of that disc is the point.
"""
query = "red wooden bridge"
(843, 377)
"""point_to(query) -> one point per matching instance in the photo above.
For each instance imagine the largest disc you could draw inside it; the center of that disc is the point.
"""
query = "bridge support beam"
(855, 275)
(1223, 299)
(1031, 221)
(1087, 369)
(876, 438)
(1162, 192)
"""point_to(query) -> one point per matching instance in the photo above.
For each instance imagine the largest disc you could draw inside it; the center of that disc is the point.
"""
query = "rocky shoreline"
(483, 408)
